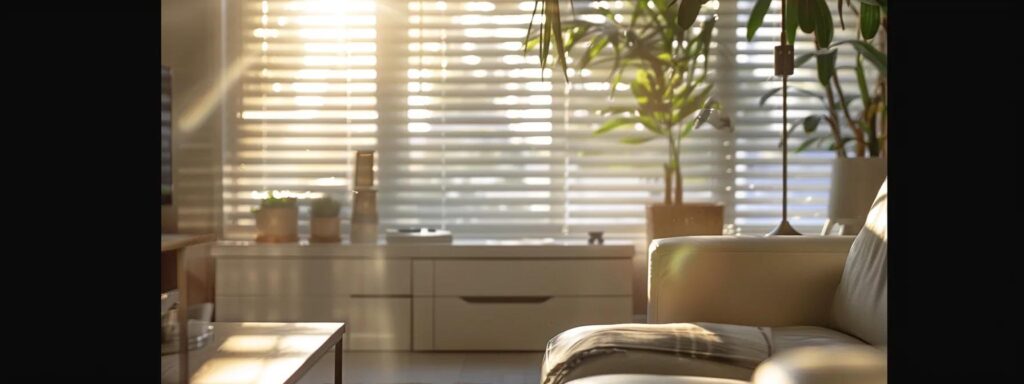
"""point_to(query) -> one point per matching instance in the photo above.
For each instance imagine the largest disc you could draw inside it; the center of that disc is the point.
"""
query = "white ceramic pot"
(855, 182)
(364, 216)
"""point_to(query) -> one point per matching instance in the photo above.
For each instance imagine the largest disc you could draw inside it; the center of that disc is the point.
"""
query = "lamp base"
(783, 229)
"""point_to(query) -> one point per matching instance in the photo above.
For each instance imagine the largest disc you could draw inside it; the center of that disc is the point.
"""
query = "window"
(471, 138)
(492, 149)
(307, 102)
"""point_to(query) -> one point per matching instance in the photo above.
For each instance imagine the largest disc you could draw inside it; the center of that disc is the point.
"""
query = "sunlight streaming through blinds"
(469, 136)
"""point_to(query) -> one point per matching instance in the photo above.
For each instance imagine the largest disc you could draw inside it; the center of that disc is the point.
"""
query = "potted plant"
(277, 220)
(866, 129)
(857, 121)
(670, 89)
(325, 222)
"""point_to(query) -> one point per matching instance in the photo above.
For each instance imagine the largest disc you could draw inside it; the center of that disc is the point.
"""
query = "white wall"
(192, 44)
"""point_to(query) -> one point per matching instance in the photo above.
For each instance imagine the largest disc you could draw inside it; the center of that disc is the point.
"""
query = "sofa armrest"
(762, 281)
(847, 364)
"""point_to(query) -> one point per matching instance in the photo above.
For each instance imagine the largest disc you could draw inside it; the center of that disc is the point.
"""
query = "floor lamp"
(784, 68)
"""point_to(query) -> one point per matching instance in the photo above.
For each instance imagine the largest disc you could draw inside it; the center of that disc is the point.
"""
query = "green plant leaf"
(757, 17)
(822, 23)
(826, 66)
(803, 59)
(637, 139)
(615, 123)
(696, 102)
(806, 144)
(876, 57)
(651, 125)
(614, 110)
(808, 13)
(687, 15)
(773, 91)
(811, 123)
(530, 42)
(792, 19)
(595, 48)
(767, 95)
(643, 78)
(705, 37)
(843, 141)
(556, 25)
(839, 3)
(862, 83)
(792, 127)
(870, 17)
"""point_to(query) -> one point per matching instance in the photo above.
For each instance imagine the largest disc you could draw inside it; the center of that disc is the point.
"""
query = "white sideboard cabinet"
(462, 297)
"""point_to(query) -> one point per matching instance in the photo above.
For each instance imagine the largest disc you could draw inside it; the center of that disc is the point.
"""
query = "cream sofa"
(804, 309)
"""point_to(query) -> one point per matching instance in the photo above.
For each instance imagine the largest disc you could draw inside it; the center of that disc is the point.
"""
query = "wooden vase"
(684, 220)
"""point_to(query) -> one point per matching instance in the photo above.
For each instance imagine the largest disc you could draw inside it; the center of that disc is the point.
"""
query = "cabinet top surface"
(470, 250)
(171, 242)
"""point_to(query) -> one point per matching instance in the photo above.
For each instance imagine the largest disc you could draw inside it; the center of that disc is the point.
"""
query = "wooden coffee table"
(259, 353)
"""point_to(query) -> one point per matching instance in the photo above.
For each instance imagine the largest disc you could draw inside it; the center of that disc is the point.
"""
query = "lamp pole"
(784, 68)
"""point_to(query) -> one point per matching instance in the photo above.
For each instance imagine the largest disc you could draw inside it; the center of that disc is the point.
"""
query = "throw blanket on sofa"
(732, 344)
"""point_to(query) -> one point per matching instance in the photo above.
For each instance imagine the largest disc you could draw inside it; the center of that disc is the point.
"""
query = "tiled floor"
(431, 368)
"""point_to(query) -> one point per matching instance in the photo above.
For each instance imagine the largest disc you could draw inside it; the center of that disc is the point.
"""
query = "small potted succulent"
(325, 221)
(277, 220)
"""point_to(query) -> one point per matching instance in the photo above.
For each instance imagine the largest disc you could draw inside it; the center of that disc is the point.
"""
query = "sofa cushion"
(787, 338)
(692, 349)
(722, 349)
(655, 363)
(834, 364)
(653, 379)
(860, 305)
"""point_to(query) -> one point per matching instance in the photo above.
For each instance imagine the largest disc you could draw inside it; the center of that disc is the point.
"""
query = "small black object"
(783, 60)
(596, 237)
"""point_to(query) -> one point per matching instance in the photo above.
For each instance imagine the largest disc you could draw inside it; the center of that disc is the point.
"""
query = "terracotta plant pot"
(684, 220)
(325, 230)
(855, 182)
(277, 224)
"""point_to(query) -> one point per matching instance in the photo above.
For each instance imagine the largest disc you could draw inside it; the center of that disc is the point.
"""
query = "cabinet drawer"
(532, 277)
(373, 323)
(312, 277)
(521, 323)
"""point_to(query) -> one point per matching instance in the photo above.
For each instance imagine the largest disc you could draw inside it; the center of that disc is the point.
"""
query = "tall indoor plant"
(857, 122)
(668, 61)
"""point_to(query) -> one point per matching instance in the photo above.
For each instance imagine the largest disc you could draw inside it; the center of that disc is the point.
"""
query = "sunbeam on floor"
(431, 368)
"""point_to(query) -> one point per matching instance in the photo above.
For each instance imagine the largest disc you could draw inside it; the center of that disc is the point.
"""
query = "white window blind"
(470, 138)
(491, 150)
(307, 103)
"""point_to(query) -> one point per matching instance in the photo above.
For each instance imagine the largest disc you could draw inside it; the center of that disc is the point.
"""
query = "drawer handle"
(505, 299)
(379, 296)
